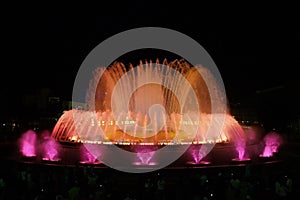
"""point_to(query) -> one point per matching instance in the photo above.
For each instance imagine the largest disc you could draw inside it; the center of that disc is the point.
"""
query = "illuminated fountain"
(240, 142)
(146, 122)
(89, 157)
(198, 154)
(155, 115)
(51, 150)
(241, 152)
(145, 158)
(28, 144)
(144, 155)
(272, 141)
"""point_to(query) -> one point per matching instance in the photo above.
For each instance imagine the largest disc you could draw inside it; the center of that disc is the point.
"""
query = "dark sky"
(46, 49)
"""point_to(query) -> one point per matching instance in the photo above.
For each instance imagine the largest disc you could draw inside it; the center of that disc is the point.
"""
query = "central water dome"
(159, 107)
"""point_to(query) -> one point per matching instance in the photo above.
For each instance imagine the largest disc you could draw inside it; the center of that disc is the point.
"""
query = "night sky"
(46, 50)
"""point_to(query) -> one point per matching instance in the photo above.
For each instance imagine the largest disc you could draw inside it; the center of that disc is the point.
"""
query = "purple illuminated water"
(145, 155)
(27, 143)
(272, 142)
(240, 148)
(89, 156)
(51, 149)
(199, 153)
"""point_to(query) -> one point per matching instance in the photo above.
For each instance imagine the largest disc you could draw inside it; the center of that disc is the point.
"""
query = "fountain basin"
(266, 158)
(90, 163)
(30, 158)
(202, 162)
(241, 161)
(144, 164)
(51, 161)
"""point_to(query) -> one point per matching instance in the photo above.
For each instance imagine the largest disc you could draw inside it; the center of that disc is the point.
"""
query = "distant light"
(3, 124)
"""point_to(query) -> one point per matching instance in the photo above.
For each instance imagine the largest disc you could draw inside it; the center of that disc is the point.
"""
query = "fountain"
(28, 145)
(89, 157)
(51, 151)
(198, 154)
(155, 115)
(144, 154)
(145, 159)
(240, 147)
(272, 141)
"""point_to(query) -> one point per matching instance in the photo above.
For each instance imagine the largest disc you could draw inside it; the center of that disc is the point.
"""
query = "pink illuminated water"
(28, 142)
(145, 157)
(240, 148)
(87, 156)
(51, 148)
(272, 142)
(199, 154)
(90, 157)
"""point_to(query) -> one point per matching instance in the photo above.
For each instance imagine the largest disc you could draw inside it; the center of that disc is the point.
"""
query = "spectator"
(74, 192)
(280, 190)
(161, 186)
(148, 189)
